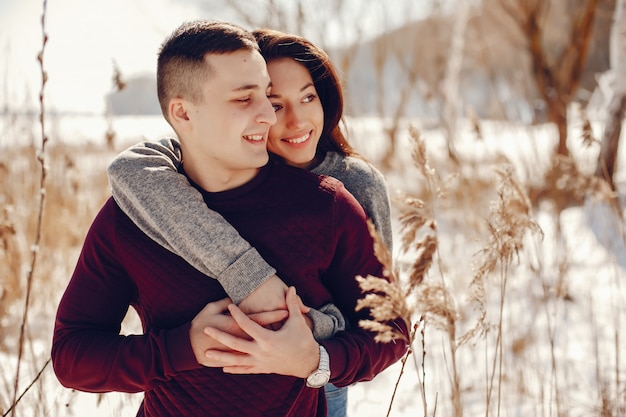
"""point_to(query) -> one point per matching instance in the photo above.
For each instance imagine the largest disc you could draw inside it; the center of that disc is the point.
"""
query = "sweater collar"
(262, 175)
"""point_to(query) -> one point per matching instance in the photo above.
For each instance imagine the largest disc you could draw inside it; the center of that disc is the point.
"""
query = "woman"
(307, 97)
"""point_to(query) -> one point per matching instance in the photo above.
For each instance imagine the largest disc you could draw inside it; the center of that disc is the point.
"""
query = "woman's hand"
(292, 350)
(216, 315)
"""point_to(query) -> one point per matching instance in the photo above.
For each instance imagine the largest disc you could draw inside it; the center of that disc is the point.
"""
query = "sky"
(86, 38)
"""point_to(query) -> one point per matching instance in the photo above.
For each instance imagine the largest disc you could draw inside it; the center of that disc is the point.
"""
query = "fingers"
(269, 317)
(238, 369)
(303, 309)
(232, 341)
(250, 327)
(216, 307)
(287, 351)
(221, 359)
(294, 303)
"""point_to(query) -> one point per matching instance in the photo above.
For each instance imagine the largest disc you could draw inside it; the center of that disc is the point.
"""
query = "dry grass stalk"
(420, 235)
(411, 221)
(384, 297)
(566, 186)
(414, 221)
(65, 223)
(509, 223)
(35, 247)
(436, 303)
(382, 253)
(427, 248)
(420, 158)
(118, 80)
(386, 301)
(588, 138)
(10, 264)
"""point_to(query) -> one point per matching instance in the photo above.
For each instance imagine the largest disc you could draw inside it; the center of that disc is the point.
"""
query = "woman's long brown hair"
(275, 45)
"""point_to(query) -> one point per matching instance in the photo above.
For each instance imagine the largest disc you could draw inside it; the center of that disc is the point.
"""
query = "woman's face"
(299, 113)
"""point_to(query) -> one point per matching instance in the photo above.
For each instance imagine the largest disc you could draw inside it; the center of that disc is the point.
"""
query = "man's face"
(228, 128)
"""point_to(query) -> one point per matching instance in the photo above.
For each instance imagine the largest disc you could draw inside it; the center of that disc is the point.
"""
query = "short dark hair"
(181, 64)
(275, 45)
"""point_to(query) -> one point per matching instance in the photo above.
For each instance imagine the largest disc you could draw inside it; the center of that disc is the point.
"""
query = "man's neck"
(216, 180)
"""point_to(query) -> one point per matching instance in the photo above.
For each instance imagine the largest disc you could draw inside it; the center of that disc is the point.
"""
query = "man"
(213, 87)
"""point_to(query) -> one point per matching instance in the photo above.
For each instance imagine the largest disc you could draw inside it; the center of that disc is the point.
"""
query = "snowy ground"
(581, 328)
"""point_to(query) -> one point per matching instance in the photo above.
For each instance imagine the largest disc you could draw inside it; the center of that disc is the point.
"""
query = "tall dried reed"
(510, 222)
(42, 183)
(390, 298)
(511, 232)
(41, 231)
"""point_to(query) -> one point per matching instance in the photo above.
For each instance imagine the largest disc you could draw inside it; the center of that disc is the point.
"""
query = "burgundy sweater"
(308, 227)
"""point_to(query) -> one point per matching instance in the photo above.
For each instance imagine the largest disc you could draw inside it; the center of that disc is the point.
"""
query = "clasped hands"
(223, 335)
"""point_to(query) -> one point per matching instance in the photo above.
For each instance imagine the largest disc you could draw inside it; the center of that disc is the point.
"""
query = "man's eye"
(244, 100)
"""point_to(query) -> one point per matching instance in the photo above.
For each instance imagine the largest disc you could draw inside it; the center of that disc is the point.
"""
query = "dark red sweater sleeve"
(88, 352)
(354, 354)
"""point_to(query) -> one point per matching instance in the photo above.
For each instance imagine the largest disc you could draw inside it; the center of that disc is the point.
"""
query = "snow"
(564, 312)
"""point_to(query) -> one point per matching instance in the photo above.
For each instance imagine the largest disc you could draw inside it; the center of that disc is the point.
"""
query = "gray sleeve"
(327, 321)
(146, 184)
(378, 207)
(368, 185)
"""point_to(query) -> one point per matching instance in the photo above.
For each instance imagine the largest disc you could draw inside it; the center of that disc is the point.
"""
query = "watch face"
(321, 376)
(317, 379)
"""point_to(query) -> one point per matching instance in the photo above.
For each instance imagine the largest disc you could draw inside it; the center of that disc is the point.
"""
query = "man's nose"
(266, 113)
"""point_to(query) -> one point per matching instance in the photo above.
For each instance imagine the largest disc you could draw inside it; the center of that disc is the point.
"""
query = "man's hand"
(216, 315)
(292, 350)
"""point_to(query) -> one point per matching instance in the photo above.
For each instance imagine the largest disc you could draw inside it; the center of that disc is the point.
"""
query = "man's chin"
(261, 160)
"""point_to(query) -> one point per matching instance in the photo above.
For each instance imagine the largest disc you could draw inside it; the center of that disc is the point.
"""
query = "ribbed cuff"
(245, 275)
(327, 321)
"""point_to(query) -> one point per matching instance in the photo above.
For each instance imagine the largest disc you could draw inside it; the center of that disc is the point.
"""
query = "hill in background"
(411, 61)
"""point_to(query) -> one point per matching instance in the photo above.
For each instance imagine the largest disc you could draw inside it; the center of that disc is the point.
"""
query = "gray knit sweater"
(146, 184)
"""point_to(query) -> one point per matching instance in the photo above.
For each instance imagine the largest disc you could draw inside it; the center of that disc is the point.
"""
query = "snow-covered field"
(564, 315)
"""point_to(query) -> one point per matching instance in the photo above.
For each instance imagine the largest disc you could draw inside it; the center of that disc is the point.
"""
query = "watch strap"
(321, 375)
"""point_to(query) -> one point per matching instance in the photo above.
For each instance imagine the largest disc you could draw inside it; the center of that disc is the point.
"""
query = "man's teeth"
(254, 137)
(298, 140)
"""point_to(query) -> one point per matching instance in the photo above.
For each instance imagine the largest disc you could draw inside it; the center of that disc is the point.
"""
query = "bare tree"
(452, 78)
(408, 64)
(617, 107)
(557, 80)
(321, 21)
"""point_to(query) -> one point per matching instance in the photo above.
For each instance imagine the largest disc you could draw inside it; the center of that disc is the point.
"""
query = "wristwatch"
(321, 375)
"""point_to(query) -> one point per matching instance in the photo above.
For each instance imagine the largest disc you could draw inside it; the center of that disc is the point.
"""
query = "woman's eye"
(309, 98)
(277, 107)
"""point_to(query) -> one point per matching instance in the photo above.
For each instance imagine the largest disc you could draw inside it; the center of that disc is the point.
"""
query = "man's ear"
(177, 110)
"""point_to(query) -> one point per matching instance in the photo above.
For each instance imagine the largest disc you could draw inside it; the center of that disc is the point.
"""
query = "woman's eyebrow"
(307, 85)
